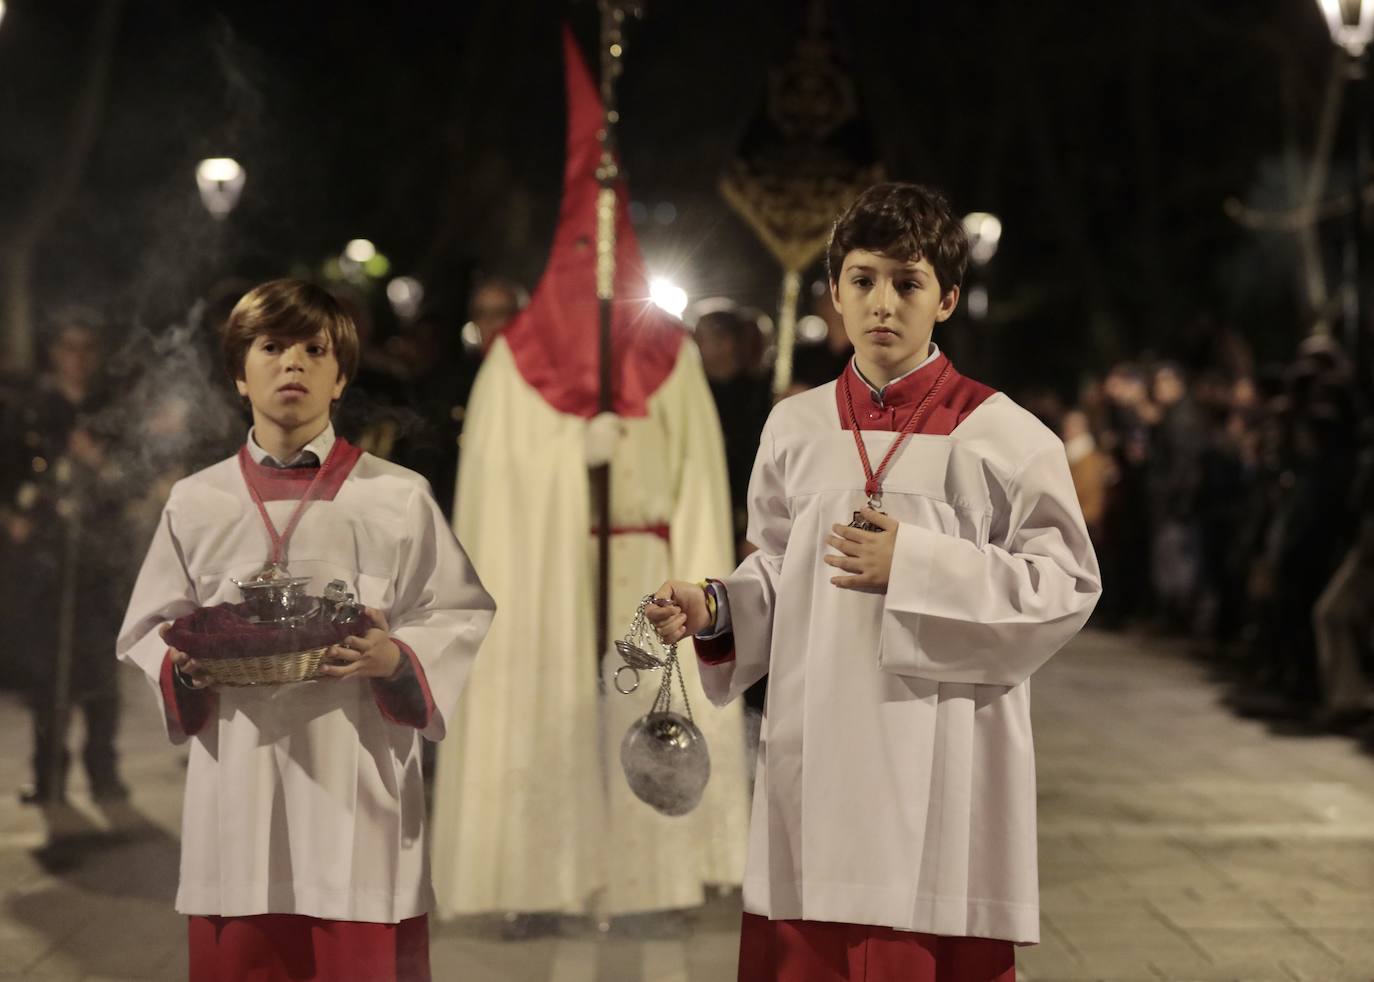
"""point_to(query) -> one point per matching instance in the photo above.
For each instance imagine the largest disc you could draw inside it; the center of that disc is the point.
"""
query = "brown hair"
(907, 222)
(293, 310)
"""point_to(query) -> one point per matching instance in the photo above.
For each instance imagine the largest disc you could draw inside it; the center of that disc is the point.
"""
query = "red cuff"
(407, 700)
(186, 709)
(717, 650)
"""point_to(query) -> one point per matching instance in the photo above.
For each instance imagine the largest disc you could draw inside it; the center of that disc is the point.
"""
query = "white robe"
(896, 774)
(531, 810)
(305, 799)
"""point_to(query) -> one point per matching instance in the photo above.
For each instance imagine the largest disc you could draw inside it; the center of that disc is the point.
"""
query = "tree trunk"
(52, 195)
(1312, 191)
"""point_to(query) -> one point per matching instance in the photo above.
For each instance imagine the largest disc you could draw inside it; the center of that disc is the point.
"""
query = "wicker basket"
(291, 666)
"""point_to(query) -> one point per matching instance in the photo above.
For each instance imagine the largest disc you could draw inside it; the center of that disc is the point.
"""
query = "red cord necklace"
(276, 563)
(873, 483)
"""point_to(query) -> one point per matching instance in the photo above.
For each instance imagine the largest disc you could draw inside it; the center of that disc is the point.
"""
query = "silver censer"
(663, 754)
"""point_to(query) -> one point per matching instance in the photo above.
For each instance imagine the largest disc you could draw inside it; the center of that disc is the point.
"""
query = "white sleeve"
(751, 590)
(957, 613)
(162, 593)
(441, 610)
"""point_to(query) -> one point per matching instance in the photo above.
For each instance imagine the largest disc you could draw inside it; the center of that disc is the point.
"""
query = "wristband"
(402, 667)
(712, 604)
(183, 678)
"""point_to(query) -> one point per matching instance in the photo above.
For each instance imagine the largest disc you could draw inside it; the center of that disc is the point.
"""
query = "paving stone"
(1355, 946)
(1247, 952)
(1177, 843)
(1337, 915)
(1192, 915)
(1052, 954)
(713, 956)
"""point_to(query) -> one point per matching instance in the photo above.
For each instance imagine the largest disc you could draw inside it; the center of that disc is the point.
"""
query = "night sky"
(1106, 136)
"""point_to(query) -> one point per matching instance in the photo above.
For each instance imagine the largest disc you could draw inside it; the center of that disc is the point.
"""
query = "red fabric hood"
(555, 338)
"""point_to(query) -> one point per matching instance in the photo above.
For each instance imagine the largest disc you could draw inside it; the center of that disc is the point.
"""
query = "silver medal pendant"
(876, 503)
(663, 754)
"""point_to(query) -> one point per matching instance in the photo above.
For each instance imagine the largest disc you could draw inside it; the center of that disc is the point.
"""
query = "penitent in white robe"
(305, 798)
(896, 774)
(532, 812)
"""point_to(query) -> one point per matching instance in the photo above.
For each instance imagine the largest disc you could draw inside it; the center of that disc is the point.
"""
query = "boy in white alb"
(303, 847)
(920, 553)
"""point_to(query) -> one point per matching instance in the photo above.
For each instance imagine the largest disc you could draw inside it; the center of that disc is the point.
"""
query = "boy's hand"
(372, 656)
(866, 555)
(679, 610)
(191, 673)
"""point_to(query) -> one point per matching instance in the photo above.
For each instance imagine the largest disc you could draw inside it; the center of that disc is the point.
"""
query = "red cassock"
(292, 948)
(824, 951)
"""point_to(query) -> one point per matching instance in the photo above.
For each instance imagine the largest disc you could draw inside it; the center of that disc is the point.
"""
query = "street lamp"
(220, 180)
(668, 295)
(360, 251)
(405, 294)
(984, 233)
(1351, 23)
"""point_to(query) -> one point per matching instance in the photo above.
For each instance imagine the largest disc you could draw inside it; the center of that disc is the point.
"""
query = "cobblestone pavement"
(1177, 842)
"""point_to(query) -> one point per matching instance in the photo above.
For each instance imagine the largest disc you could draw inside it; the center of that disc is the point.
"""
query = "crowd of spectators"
(1233, 507)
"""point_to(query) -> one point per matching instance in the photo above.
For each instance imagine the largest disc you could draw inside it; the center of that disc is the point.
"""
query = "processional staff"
(614, 14)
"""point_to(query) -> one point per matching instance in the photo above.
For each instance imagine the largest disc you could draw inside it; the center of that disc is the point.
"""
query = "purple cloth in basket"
(224, 631)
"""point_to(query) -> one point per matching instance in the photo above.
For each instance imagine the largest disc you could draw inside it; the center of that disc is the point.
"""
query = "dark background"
(1106, 136)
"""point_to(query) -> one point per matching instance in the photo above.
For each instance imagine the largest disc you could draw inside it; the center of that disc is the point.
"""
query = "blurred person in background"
(816, 363)
(1227, 471)
(372, 413)
(1125, 526)
(1307, 464)
(1173, 479)
(1091, 469)
(1344, 615)
(435, 391)
(742, 399)
(494, 304)
(58, 489)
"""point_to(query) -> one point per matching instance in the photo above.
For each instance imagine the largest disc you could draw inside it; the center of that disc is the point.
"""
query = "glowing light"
(1351, 23)
(668, 295)
(984, 232)
(978, 302)
(2, 10)
(472, 336)
(360, 250)
(378, 266)
(812, 329)
(405, 295)
(220, 181)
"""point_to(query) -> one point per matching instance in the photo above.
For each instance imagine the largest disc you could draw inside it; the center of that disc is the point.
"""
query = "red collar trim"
(907, 392)
(959, 396)
(289, 483)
